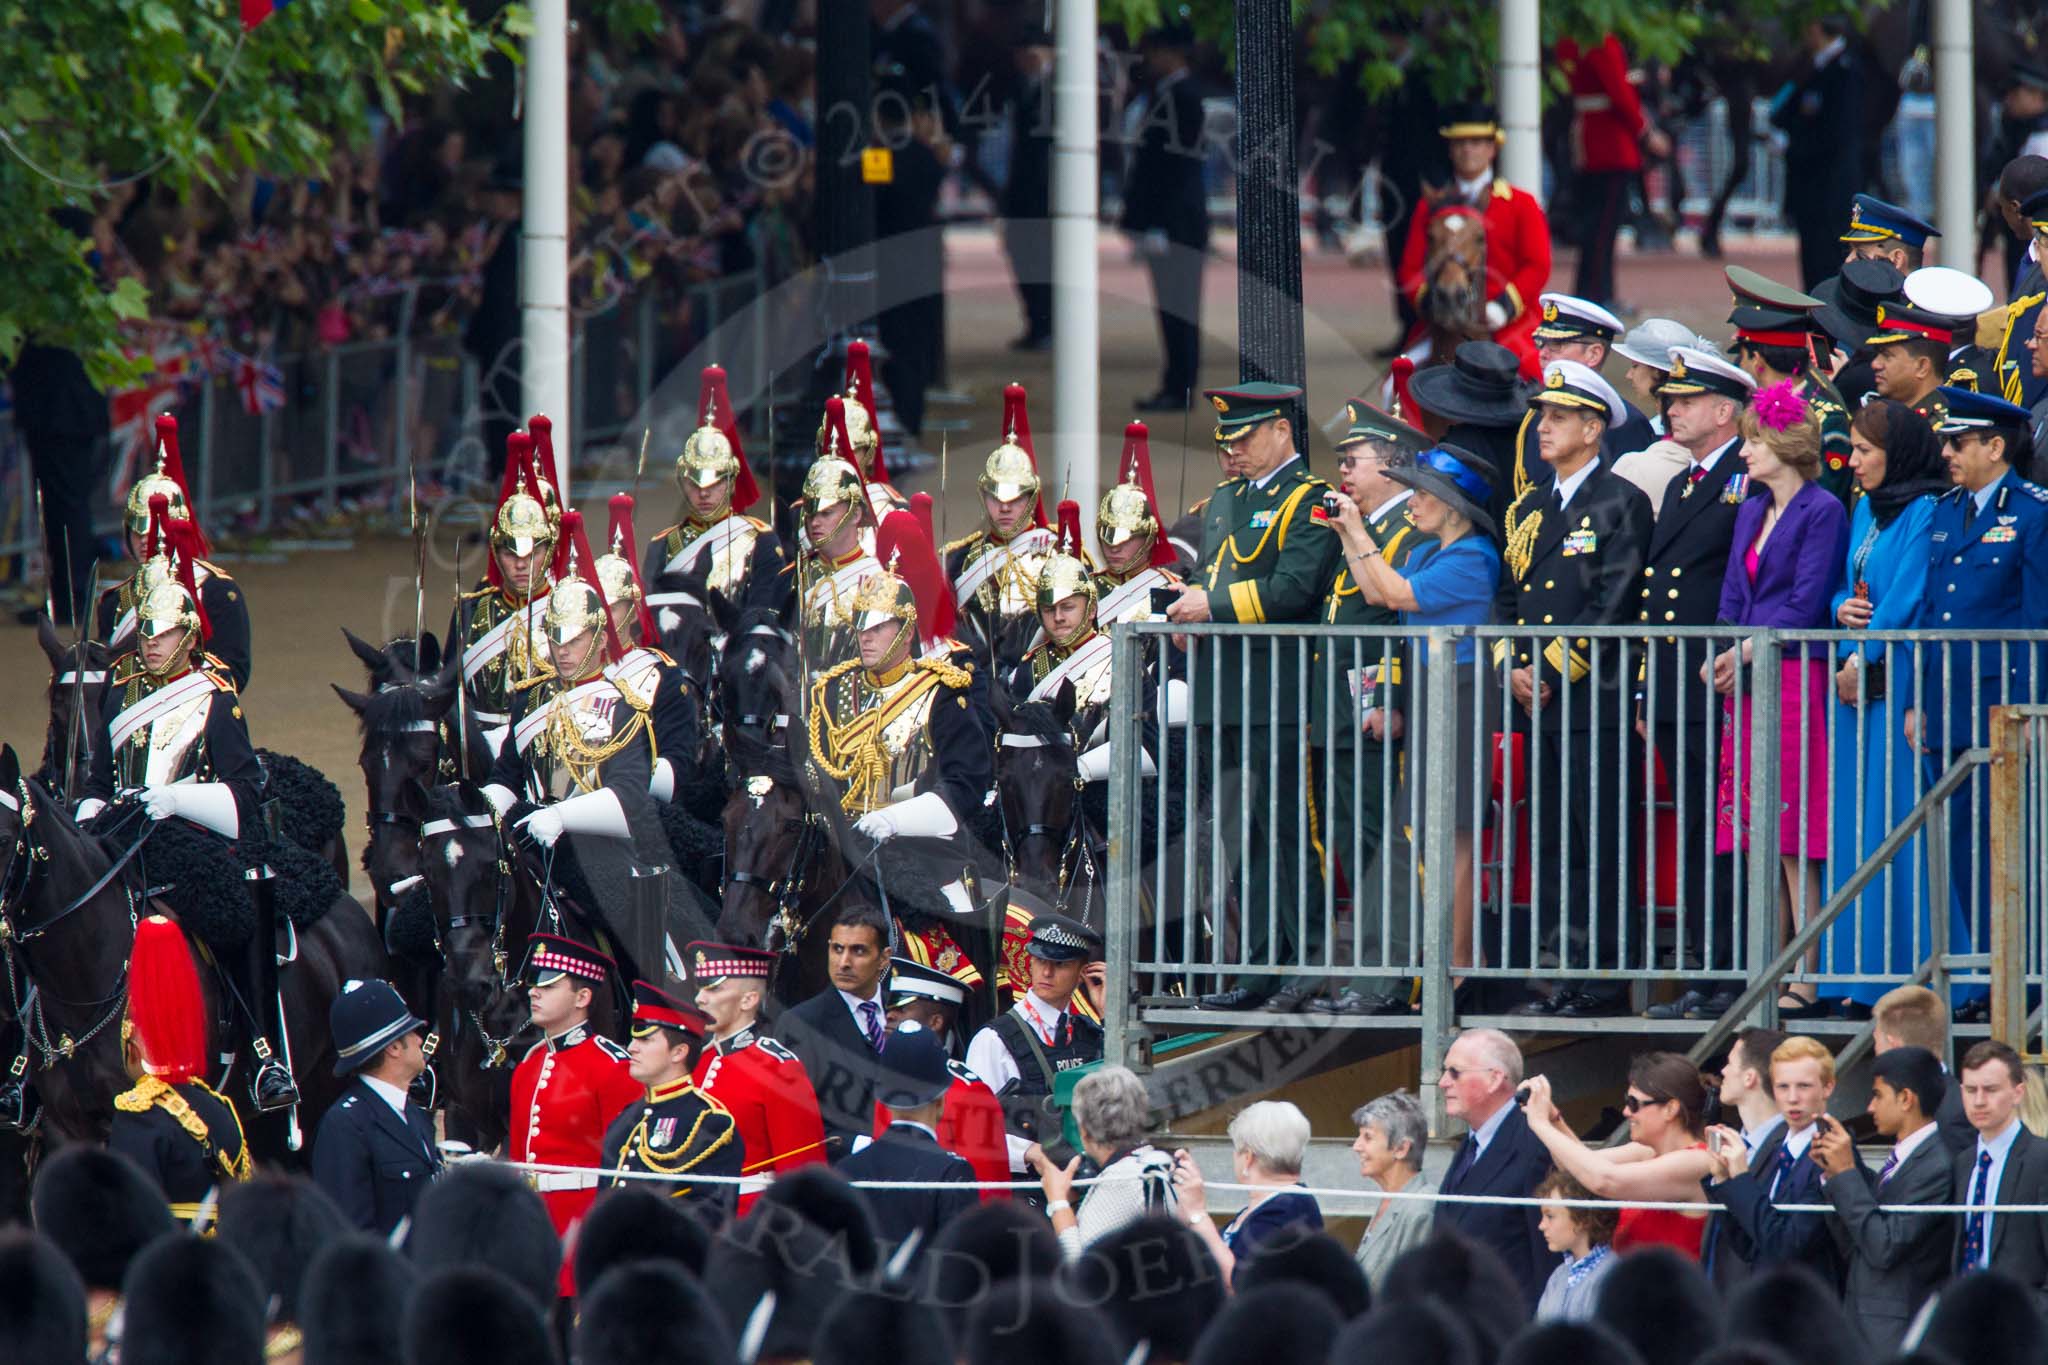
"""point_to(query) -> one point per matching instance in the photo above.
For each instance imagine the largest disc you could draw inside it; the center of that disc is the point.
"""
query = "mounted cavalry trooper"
(582, 747)
(903, 729)
(498, 624)
(172, 733)
(994, 571)
(675, 1129)
(219, 595)
(761, 1083)
(1072, 649)
(1132, 539)
(864, 433)
(739, 555)
(570, 1086)
(838, 551)
(675, 700)
(176, 1127)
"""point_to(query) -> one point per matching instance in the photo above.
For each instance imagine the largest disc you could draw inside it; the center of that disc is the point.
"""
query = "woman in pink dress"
(1790, 538)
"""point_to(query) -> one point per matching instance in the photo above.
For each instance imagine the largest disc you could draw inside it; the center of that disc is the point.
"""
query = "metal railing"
(357, 415)
(1641, 828)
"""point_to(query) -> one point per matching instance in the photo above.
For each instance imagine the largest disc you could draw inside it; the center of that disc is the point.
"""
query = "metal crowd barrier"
(357, 416)
(1783, 829)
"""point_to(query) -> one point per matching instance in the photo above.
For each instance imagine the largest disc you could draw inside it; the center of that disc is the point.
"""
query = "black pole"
(1271, 339)
(845, 209)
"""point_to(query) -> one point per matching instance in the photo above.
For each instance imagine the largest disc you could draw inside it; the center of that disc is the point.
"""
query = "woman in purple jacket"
(1790, 538)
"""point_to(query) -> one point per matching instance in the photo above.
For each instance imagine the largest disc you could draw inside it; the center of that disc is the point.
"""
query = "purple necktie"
(871, 1020)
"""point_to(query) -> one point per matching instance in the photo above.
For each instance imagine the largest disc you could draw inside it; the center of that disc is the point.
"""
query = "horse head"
(78, 681)
(1455, 270)
(686, 617)
(467, 866)
(757, 691)
(402, 661)
(1038, 777)
(400, 759)
(774, 838)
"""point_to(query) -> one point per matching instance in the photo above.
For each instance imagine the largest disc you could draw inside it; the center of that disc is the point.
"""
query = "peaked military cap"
(1969, 410)
(1873, 220)
(1364, 422)
(1568, 384)
(1055, 938)
(914, 980)
(1240, 409)
(1566, 318)
(550, 957)
(711, 962)
(1696, 372)
(655, 1008)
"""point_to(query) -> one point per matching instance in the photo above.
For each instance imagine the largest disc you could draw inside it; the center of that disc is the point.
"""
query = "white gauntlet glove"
(211, 804)
(595, 812)
(1497, 315)
(923, 817)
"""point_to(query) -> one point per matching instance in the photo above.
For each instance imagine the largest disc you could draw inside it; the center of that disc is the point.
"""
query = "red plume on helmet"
(182, 539)
(573, 542)
(838, 444)
(159, 513)
(164, 1002)
(1068, 539)
(542, 428)
(620, 533)
(1017, 422)
(1405, 406)
(860, 382)
(921, 508)
(714, 398)
(174, 469)
(517, 478)
(1136, 466)
(903, 548)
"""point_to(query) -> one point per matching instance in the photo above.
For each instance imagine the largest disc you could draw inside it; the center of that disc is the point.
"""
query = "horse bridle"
(498, 1050)
(782, 891)
(1069, 838)
(25, 998)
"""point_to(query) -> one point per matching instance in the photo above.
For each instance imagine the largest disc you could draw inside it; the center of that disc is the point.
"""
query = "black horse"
(758, 696)
(1046, 832)
(78, 680)
(70, 900)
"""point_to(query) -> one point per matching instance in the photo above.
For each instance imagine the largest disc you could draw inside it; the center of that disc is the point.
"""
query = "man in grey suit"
(2008, 1165)
(1913, 1016)
(1895, 1259)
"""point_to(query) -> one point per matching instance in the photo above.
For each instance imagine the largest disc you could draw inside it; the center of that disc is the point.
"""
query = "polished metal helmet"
(860, 430)
(522, 524)
(707, 455)
(615, 572)
(574, 607)
(151, 485)
(884, 595)
(830, 482)
(1065, 573)
(1009, 472)
(166, 603)
(1125, 514)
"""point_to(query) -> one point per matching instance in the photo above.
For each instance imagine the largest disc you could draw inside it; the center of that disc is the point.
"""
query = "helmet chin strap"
(180, 656)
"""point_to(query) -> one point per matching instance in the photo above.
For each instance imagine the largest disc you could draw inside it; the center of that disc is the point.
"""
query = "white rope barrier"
(1336, 1195)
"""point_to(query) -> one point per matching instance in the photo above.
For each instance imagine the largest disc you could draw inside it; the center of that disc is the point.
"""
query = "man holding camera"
(1754, 1228)
(1269, 556)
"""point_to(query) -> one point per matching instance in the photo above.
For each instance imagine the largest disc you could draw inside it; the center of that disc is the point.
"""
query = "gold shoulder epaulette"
(127, 668)
(485, 591)
(214, 667)
(961, 543)
(213, 569)
(758, 525)
(951, 674)
(139, 1099)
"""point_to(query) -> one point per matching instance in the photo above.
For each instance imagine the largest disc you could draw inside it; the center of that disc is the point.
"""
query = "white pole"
(1076, 325)
(1955, 152)
(544, 230)
(1521, 95)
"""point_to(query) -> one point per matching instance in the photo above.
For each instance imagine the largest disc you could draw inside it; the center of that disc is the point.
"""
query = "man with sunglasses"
(1499, 1156)
(1268, 556)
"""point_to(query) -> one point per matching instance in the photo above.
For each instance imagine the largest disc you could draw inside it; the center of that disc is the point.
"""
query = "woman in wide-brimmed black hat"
(1482, 386)
(1449, 582)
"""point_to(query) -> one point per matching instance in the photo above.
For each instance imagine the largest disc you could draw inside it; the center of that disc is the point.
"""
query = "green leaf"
(129, 299)
(366, 11)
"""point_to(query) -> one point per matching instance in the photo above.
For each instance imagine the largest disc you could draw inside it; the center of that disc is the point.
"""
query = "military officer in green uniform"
(1779, 337)
(1354, 711)
(1267, 556)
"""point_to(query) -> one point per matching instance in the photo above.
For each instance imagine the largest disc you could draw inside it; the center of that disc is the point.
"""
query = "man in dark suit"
(1498, 1156)
(374, 1154)
(1782, 1172)
(1681, 586)
(913, 1090)
(838, 1033)
(1574, 556)
(1895, 1259)
(1166, 211)
(1913, 1016)
(1821, 115)
(2007, 1165)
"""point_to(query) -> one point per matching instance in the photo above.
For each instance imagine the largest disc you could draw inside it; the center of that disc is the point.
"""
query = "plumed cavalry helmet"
(617, 575)
(1065, 572)
(165, 480)
(1011, 470)
(1130, 509)
(547, 479)
(863, 431)
(522, 524)
(832, 478)
(910, 587)
(710, 453)
(171, 603)
(576, 604)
